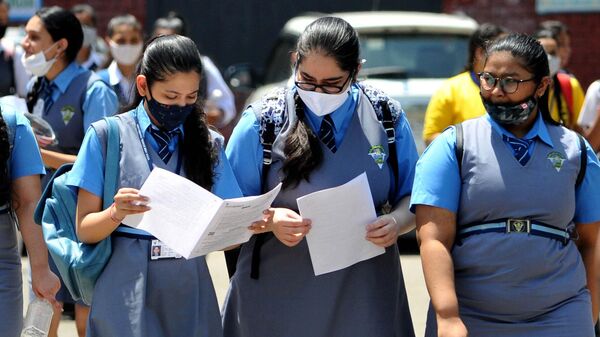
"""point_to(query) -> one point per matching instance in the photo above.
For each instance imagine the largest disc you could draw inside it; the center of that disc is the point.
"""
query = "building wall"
(106, 9)
(520, 15)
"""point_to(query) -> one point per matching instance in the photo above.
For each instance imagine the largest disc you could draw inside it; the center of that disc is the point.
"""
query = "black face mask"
(510, 113)
(169, 116)
(3, 30)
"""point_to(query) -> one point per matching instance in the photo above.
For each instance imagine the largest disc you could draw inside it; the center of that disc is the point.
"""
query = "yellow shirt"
(564, 117)
(457, 100)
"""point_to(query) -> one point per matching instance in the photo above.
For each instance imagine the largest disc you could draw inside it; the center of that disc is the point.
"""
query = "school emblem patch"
(556, 159)
(378, 154)
(67, 113)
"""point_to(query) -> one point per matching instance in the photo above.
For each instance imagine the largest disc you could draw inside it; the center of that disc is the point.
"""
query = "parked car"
(407, 55)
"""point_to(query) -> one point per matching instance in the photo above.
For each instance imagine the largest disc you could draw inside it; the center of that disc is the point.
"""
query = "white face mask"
(37, 63)
(321, 103)
(126, 54)
(554, 64)
(89, 35)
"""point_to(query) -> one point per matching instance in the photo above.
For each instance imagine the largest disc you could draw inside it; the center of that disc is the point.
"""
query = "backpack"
(78, 263)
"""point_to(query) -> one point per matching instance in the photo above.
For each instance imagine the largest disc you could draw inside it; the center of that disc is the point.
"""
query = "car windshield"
(413, 55)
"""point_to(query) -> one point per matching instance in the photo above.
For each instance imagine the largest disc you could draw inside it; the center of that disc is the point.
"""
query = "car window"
(413, 55)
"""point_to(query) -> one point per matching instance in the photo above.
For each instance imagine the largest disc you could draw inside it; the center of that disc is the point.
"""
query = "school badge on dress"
(556, 159)
(67, 113)
(378, 154)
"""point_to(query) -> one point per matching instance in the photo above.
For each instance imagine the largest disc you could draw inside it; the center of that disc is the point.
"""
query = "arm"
(26, 193)
(55, 159)
(588, 235)
(94, 224)
(436, 229)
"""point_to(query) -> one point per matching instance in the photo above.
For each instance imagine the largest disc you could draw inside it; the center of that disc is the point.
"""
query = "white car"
(408, 55)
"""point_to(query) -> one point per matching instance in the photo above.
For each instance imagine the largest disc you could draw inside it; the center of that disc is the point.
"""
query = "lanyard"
(146, 153)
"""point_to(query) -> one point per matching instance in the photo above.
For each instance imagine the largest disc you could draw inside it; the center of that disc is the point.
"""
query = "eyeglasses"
(326, 88)
(508, 85)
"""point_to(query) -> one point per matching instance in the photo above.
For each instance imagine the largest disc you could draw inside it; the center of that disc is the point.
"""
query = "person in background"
(560, 31)
(589, 117)
(13, 76)
(458, 98)
(220, 104)
(565, 95)
(88, 57)
(20, 169)
(500, 207)
(137, 294)
(67, 96)
(125, 40)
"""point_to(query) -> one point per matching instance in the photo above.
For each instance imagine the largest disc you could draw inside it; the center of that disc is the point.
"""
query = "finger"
(380, 222)
(379, 232)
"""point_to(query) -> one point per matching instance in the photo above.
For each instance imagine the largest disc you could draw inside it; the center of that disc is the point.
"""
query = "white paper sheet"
(191, 220)
(339, 218)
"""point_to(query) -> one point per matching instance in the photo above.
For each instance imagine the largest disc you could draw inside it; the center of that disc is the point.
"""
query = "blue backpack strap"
(271, 117)
(388, 113)
(111, 168)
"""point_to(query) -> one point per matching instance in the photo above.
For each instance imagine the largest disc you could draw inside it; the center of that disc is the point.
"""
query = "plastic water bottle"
(38, 318)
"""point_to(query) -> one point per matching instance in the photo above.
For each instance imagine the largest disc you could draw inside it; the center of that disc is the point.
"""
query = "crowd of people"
(503, 199)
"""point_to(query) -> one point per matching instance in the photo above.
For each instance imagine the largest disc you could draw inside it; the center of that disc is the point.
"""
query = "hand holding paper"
(339, 216)
(191, 220)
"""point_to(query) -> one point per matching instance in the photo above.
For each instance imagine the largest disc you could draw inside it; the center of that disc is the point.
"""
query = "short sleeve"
(225, 184)
(244, 152)
(591, 103)
(407, 155)
(100, 101)
(25, 158)
(587, 195)
(437, 177)
(88, 170)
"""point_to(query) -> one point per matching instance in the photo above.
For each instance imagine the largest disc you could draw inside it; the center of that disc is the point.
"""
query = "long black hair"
(60, 24)
(165, 56)
(329, 36)
(5, 182)
(531, 55)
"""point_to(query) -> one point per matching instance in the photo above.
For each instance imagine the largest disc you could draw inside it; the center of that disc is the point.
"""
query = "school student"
(500, 205)
(137, 295)
(20, 170)
(67, 96)
(329, 133)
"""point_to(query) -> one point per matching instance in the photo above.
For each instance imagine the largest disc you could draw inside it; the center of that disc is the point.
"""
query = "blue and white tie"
(326, 133)
(45, 92)
(520, 148)
(163, 139)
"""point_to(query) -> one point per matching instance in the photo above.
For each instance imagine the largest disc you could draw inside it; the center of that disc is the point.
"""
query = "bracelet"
(112, 211)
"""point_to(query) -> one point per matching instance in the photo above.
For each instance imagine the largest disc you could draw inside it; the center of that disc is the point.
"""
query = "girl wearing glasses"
(283, 297)
(496, 219)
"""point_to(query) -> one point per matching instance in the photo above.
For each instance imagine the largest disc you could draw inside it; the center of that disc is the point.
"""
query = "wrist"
(112, 212)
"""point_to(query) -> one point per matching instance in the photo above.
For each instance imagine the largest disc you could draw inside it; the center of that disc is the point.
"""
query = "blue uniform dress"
(514, 284)
(366, 299)
(135, 296)
(24, 160)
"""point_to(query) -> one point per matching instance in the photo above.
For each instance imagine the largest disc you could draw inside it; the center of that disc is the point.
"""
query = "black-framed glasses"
(326, 88)
(508, 84)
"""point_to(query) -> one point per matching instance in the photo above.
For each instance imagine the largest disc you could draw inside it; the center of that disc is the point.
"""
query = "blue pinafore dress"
(138, 297)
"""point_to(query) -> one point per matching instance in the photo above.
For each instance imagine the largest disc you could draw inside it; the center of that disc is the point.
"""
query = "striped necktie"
(326, 133)
(520, 148)
(163, 138)
(45, 93)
